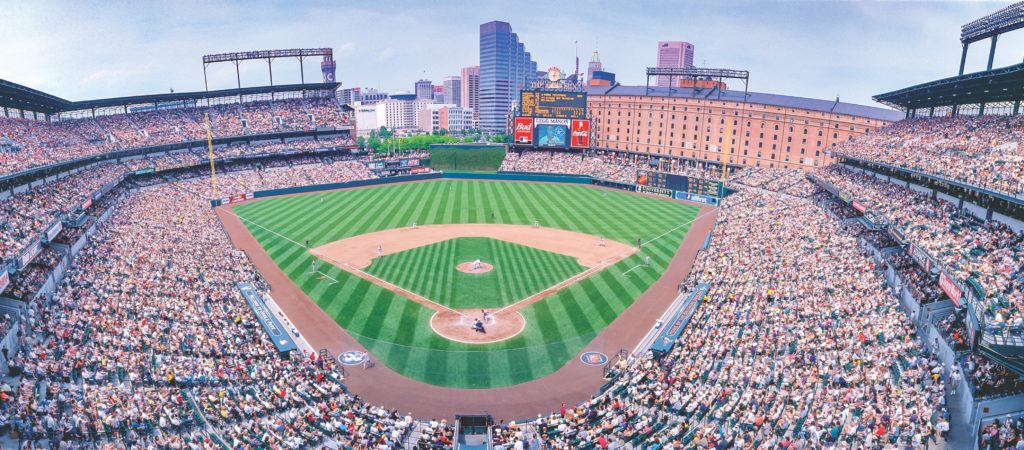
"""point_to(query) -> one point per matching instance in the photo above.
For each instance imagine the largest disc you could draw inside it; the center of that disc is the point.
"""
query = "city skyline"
(810, 49)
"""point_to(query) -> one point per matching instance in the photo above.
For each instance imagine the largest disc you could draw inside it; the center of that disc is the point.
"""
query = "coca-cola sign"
(523, 133)
(580, 134)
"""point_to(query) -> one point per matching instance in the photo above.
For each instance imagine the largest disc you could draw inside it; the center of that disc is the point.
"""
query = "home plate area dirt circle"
(468, 267)
(457, 325)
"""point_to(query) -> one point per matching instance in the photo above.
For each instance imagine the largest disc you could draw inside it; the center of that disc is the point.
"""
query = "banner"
(86, 204)
(54, 231)
(859, 206)
(278, 335)
(29, 254)
(523, 132)
(950, 288)
(237, 198)
(580, 135)
(419, 170)
(5, 280)
(696, 198)
(654, 190)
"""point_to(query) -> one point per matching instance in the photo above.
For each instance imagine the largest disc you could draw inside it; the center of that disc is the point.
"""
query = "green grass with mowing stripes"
(519, 271)
(397, 331)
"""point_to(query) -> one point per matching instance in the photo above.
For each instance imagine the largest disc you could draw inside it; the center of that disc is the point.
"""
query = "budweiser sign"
(523, 133)
(950, 288)
(580, 136)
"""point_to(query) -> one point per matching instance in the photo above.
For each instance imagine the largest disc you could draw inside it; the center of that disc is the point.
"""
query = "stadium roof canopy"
(785, 101)
(13, 95)
(998, 85)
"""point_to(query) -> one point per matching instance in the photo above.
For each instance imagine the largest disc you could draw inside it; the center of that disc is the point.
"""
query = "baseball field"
(395, 266)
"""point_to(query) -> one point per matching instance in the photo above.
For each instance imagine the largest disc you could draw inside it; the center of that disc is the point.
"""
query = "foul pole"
(209, 151)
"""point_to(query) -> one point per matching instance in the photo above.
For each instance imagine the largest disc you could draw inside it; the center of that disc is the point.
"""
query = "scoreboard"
(681, 183)
(553, 104)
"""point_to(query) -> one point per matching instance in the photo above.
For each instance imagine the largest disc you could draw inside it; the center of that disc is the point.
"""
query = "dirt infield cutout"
(355, 253)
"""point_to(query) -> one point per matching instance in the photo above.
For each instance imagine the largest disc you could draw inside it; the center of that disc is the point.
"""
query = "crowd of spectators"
(795, 345)
(26, 143)
(777, 180)
(619, 168)
(923, 286)
(148, 333)
(988, 378)
(984, 151)
(25, 214)
(1002, 434)
(989, 252)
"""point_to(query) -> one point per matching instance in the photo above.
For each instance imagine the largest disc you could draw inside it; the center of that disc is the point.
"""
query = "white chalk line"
(335, 280)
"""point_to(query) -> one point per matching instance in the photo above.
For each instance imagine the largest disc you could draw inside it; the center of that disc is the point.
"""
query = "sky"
(821, 49)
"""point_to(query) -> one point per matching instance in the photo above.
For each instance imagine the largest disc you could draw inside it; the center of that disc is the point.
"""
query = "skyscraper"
(453, 90)
(673, 55)
(471, 90)
(505, 68)
(424, 90)
(593, 66)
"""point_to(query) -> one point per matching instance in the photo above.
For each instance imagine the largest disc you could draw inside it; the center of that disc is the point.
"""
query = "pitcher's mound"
(467, 267)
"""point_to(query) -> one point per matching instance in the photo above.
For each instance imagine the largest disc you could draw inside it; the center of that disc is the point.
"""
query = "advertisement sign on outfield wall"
(523, 131)
(580, 134)
(237, 198)
(654, 190)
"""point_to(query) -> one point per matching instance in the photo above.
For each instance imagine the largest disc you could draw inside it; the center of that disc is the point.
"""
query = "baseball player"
(380, 250)
(312, 267)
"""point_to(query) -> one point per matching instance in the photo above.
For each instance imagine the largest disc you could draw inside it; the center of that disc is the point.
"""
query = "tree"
(361, 141)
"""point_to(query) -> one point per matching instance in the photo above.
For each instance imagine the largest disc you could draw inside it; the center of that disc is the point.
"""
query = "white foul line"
(278, 235)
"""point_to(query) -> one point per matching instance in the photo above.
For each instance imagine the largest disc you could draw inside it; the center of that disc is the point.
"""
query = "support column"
(1016, 107)
(992, 51)
(963, 58)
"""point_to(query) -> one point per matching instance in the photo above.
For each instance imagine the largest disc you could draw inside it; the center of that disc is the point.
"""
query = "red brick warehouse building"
(769, 130)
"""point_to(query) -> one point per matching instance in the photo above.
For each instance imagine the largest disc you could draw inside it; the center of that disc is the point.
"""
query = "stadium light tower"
(991, 26)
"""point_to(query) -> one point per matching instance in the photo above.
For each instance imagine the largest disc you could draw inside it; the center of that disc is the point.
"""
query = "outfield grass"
(519, 271)
(397, 331)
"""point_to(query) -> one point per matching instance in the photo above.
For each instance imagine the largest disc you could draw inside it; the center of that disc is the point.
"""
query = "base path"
(572, 384)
